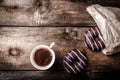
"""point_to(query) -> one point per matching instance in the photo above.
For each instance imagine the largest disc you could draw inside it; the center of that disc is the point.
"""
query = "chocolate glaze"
(75, 61)
(94, 39)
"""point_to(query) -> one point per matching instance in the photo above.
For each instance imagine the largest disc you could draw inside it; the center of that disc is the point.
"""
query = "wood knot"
(14, 51)
(42, 5)
(71, 34)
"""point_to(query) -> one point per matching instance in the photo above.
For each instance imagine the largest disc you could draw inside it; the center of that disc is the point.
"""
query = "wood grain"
(53, 12)
(60, 12)
(24, 39)
(38, 75)
(59, 75)
(17, 42)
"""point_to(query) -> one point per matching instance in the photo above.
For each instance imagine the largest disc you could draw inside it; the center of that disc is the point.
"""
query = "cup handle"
(52, 44)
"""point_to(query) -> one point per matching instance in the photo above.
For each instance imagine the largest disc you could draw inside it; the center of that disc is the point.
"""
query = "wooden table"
(65, 24)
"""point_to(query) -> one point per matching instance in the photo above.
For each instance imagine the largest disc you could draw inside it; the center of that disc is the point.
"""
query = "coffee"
(42, 57)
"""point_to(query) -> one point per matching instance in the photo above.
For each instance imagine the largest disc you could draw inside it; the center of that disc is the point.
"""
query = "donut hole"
(75, 60)
(96, 38)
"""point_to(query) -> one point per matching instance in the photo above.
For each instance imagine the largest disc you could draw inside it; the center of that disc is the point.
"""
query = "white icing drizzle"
(70, 55)
(96, 45)
(70, 66)
(68, 58)
(81, 54)
(100, 44)
(90, 42)
(77, 68)
(79, 58)
(66, 69)
(80, 65)
(93, 31)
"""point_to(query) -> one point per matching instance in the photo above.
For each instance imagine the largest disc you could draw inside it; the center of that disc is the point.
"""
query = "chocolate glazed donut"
(94, 39)
(74, 62)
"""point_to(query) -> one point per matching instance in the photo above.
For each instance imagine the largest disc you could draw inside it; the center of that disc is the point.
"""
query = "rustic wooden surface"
(45, 75)
(58, 13)
(53, 12)
(24, 39)
(17, 42)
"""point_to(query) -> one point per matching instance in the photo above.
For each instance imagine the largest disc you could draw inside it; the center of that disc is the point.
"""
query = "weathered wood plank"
(58, 13)
(58, 75)
(24, 39)
(53, 12)
(30, 75)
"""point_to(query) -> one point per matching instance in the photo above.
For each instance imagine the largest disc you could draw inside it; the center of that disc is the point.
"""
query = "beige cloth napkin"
(108, 21)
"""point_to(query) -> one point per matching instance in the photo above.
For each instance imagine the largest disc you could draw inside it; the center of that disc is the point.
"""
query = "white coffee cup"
(49, 48)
